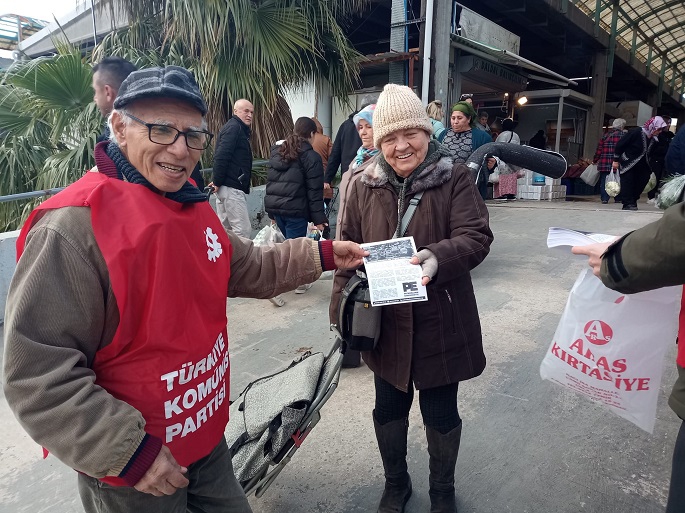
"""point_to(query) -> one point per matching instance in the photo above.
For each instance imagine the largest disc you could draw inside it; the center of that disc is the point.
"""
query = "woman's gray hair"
(619, 123)
(127, 121)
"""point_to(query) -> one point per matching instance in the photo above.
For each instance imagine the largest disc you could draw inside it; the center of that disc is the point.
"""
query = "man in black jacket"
(108, 74)
(345, 147)
(233, 169)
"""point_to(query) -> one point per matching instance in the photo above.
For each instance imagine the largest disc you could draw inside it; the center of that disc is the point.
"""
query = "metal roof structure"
(653, 31)
(15, 28)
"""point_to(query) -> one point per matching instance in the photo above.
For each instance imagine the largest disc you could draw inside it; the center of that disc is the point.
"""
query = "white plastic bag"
(613, 183)
(268, 236)
(591, 175)
(610, 346)
(651, 183)
(671, 192)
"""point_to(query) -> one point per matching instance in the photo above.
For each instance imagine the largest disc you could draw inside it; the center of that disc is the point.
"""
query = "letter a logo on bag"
(598, 332)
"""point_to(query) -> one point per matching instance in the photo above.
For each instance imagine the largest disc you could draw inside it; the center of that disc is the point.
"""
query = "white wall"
(303, 103)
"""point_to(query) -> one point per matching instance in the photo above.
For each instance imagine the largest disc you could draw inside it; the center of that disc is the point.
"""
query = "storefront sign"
(477, 28)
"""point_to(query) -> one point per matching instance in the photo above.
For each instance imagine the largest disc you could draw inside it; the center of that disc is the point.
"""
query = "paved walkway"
(528, 446)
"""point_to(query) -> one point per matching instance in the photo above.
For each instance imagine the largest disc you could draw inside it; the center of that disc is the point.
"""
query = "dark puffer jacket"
(295, 188)
(233, 156)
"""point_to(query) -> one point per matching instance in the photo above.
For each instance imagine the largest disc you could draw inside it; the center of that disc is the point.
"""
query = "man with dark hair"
(108, 74)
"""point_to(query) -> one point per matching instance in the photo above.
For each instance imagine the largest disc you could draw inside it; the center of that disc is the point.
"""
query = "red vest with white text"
(169, 266)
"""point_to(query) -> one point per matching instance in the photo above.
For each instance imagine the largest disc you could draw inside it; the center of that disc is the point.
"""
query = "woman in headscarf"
(632, 159)
(366, 155)
(463, 139)
(434, 344)
(434, 111)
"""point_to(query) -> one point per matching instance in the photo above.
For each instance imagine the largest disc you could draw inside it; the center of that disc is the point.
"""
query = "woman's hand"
(614, 165)
(492, 163)
(326, 186)
(428, 262)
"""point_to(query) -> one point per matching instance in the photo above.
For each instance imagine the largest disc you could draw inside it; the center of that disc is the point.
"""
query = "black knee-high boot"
(443, 451)
(392, 444)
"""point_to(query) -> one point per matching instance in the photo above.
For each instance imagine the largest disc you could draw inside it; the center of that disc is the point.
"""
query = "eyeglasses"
(167, 135)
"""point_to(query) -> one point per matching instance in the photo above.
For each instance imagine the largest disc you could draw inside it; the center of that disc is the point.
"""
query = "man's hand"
(214, 187)
(614, 165)
(164, 476)
(347, 254)
(428, 262)
(492, 163)
(595, 252)
(326, 186)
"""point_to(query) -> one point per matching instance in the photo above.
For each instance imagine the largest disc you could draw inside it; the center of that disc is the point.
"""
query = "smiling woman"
(431, 345)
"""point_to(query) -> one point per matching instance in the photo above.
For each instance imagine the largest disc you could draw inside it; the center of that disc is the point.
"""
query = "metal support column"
(440, 51)
(633, 47)
(598, 16)
(612, 39)
(560, 114)
(648, 66)
(594, 124)
(398, 41)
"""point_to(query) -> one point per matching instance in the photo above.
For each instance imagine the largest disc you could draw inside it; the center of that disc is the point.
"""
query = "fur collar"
(430, 177)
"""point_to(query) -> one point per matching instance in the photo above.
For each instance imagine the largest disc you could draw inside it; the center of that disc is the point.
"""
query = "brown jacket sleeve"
(650, 257)
(262, 272)
(60, 311)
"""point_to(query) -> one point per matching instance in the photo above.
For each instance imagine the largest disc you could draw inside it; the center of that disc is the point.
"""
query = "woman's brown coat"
(438, 341)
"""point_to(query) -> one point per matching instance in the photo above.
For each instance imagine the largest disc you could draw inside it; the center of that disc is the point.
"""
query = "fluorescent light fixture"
(522, 101)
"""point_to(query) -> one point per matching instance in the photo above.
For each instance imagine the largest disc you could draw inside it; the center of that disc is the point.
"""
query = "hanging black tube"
(545, 162)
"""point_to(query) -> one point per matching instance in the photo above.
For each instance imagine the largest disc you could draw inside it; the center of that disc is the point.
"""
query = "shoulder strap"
(411, 210)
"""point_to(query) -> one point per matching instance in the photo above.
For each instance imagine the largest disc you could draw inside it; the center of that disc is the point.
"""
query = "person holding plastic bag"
(632, 156)
(604, 155)
(294, 189)
(647, 259)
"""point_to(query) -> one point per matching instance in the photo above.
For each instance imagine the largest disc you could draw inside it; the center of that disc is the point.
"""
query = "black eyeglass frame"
(150, 126)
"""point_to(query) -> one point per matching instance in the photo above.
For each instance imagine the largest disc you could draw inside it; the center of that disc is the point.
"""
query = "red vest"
(169, 266)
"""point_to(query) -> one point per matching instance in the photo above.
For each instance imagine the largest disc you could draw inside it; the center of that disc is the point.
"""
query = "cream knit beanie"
(398, 108)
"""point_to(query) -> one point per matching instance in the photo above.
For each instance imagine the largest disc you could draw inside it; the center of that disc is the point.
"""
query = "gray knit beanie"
(398, 108)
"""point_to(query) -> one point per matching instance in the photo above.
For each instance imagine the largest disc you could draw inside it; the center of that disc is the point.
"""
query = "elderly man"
(108, 74)
(105, 364)
(233, 169)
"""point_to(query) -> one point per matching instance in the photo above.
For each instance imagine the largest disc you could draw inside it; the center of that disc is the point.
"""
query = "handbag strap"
(409, 213)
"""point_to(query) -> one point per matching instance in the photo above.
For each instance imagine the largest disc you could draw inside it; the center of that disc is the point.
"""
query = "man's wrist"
(141, 460)
(327, 256)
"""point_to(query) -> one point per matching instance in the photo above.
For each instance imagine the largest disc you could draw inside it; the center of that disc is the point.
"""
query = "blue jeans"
(292, 227)
(602, 186)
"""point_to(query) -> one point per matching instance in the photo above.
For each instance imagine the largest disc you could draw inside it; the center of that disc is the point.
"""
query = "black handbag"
(358, 322)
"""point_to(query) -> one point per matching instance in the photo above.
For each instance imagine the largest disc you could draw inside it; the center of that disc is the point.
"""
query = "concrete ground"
(528, 446)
